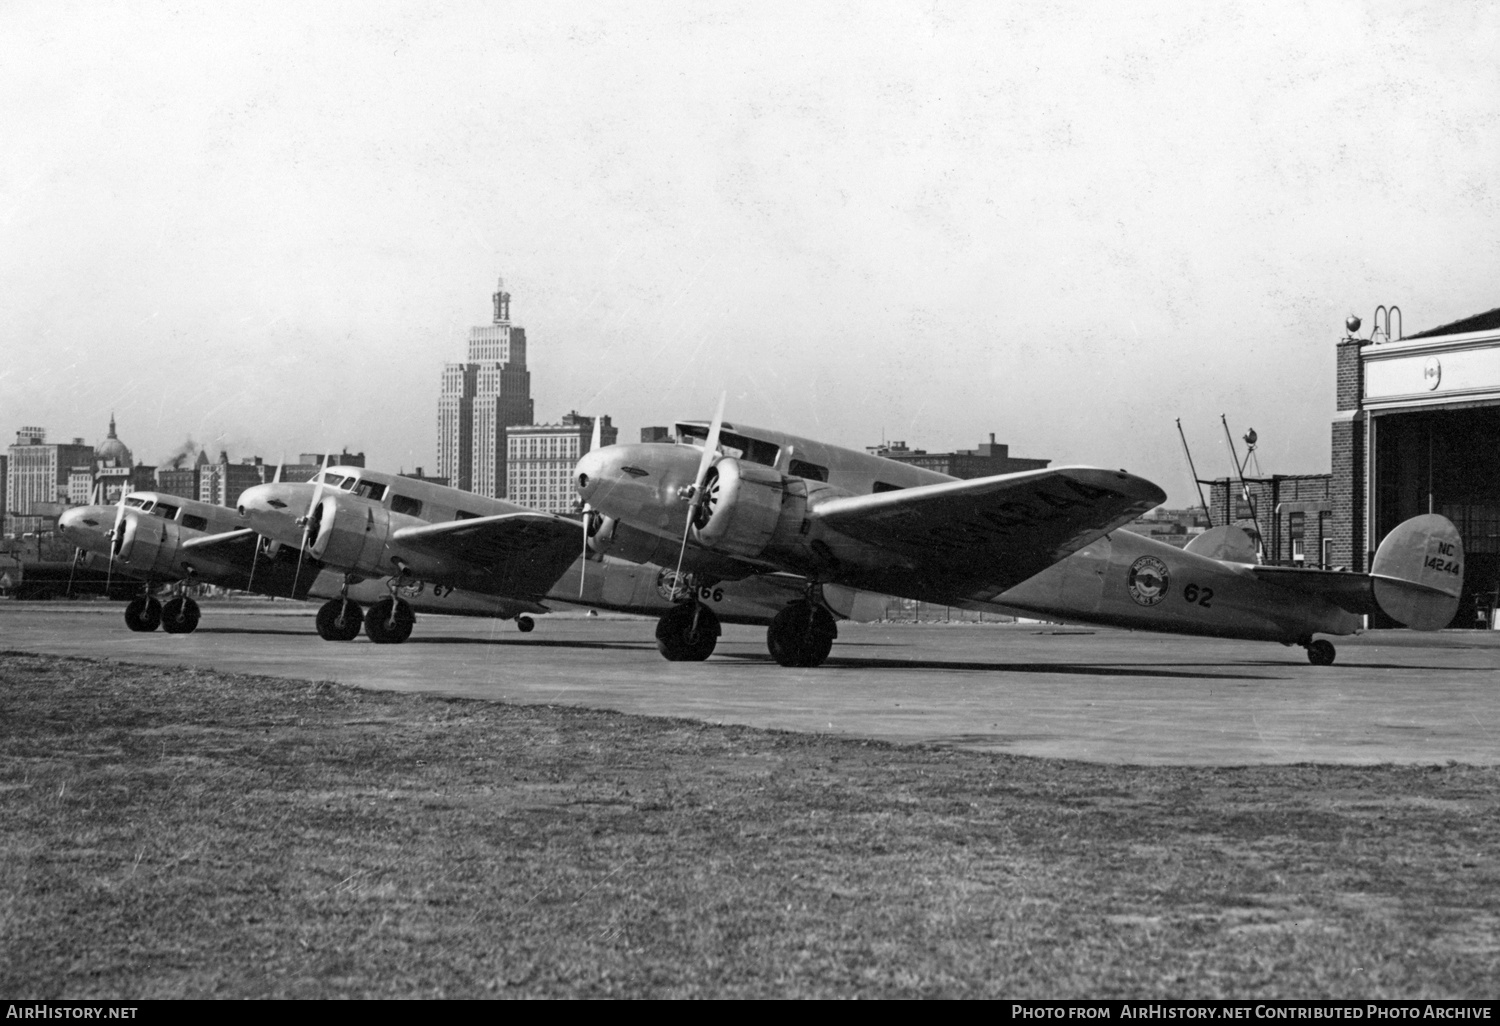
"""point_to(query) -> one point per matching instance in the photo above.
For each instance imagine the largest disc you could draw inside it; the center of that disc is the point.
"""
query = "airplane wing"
(515, 554)
(227, 540)
(980, 537)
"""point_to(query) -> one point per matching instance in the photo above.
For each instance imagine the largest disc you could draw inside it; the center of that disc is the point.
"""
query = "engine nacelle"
(741, 508)
(150, 543)
(351, 534)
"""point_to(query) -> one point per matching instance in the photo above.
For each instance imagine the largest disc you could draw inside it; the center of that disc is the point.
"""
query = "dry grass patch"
(185, 833)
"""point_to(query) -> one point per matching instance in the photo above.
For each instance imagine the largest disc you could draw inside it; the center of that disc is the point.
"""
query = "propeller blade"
(710, 447)
(583, 571)
(317, 497)
(116, 540)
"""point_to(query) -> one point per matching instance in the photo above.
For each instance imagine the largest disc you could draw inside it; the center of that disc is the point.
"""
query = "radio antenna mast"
(1194, 471)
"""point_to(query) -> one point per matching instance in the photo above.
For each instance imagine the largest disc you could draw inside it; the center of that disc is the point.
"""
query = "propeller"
(255, 548)
(317, 497)
(588, 511)
(710, 447)
(116, 540)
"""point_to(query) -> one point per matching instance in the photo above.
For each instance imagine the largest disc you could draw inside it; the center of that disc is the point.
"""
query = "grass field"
(177, 833)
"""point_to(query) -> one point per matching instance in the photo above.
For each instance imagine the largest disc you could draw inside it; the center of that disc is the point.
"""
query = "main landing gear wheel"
(340, 620)
(680, 641)
(389, 621)
(525, 624)
(801, 635)
(143, 614)
(1320, 652)
(180, 615)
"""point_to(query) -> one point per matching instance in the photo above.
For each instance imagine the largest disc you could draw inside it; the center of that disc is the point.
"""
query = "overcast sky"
(266, 226)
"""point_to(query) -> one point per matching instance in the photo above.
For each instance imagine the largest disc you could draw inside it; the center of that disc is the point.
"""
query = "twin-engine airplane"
(429, 539)
(729, 501)
(167, 540)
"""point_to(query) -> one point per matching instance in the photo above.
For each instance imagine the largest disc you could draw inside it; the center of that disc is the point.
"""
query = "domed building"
(112, 452)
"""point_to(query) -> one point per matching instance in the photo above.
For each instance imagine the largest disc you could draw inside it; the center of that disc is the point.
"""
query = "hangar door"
(1445, 461)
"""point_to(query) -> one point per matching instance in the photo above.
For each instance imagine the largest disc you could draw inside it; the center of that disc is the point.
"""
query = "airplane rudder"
(1418, 572)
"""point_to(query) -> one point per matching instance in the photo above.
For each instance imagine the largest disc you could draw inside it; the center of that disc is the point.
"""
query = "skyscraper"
(480, 399)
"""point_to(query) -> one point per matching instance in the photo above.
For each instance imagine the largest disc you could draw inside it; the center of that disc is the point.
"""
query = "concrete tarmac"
(1065, 692)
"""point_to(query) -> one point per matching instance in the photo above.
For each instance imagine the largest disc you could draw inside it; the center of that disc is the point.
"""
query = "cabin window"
(406, 504)
(881, 486)
(733, 443)
(196, 523)
(811, 471)
(370, 490)
(166, 512)
(464, 514)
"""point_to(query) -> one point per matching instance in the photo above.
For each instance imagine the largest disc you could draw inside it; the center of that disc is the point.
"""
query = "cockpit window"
(732, 443)
(138, 503)
(369, 490)
(165, 511)
(336, 480)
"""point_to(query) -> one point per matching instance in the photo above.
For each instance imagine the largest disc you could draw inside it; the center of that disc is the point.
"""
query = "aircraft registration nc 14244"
(727, 501)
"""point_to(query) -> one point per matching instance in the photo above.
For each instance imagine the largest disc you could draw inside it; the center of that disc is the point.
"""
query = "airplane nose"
(589, 472)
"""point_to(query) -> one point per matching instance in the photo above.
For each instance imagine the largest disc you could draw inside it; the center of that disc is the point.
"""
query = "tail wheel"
(688, 633)
(389, 621)
(340, 620)
(143, 614)
(1320, 652)
(180, 615)
(525, 624)
(801, 635)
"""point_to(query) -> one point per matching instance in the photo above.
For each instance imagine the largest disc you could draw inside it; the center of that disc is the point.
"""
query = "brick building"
(1417, 430)
(988, 459)
(1293, 513)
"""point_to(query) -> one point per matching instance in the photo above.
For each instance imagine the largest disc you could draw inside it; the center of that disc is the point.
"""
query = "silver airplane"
(728, 501)
(429, 539)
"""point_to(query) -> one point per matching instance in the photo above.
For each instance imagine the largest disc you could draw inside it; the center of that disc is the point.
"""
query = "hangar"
(1418, 431)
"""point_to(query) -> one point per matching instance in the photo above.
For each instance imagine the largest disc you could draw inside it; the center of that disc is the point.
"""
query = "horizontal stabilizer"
(1230, 544)
(1418, 572)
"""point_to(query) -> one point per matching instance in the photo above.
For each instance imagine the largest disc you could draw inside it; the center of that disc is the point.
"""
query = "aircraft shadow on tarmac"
(643, 646)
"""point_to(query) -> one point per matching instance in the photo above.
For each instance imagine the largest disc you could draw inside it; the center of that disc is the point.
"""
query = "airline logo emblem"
(1148, 581)
(1432, 373)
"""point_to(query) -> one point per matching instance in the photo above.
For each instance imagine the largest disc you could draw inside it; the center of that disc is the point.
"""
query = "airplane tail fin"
(1228, 543)
(1418, 572)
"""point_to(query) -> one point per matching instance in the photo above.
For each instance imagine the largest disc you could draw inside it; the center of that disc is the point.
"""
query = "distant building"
(1293, 513)
(656, 434)
(222, 483)
(38, 474)
(4, 491)
(1173, 526)
(988, 459)
(541, 457)
(481, 399)
(310, 463)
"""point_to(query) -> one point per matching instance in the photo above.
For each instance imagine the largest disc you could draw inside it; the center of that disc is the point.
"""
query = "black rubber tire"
(330, 614)
(801, 635)
(676, 639)
(143, 614)
(1321, 653)
(180, 615)
(525, 624)
(387, 626)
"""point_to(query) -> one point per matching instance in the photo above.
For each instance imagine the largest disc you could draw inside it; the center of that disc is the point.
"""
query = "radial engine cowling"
(741, 507)
(350, 534)
(149, 544)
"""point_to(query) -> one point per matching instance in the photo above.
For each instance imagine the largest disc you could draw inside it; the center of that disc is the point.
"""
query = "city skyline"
(1070, 227)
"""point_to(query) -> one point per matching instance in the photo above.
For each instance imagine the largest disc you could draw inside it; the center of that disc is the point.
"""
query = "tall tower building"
(480, 399)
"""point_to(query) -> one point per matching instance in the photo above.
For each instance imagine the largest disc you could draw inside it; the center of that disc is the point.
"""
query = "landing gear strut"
(180, 615)
(143, 614)
(1320, 652)
(801, 634)
(687, 633)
